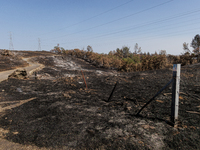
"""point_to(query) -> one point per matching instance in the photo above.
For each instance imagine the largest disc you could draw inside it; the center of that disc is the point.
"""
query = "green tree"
(196, 44)
(119, 53)
(125, 51)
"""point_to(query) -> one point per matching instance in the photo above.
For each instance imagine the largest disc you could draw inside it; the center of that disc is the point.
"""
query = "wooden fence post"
(175, 92)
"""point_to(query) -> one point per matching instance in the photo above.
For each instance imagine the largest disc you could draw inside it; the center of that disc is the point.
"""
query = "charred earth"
(56, 111)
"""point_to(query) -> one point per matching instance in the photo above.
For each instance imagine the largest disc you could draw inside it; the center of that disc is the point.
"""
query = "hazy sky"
(104, 24)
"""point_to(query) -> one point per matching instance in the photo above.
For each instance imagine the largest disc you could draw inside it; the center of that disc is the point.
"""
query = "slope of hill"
(63, 114)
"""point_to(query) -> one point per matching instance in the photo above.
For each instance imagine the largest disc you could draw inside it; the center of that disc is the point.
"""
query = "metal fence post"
(175, 92)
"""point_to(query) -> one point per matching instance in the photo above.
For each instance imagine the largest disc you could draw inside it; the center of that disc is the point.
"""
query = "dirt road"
(30, 69)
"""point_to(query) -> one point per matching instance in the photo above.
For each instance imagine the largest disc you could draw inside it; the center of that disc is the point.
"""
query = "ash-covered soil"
(11, 62)
(63, 114)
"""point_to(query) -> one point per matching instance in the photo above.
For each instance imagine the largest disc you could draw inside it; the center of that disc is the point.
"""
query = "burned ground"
(33, 53)
(11, 62)
(15, 58)
(64, 114)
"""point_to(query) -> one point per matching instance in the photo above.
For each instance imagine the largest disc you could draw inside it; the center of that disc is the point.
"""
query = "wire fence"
(189, 99)
(144, 86)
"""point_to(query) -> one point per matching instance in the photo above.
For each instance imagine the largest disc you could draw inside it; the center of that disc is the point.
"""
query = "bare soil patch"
(65, 115)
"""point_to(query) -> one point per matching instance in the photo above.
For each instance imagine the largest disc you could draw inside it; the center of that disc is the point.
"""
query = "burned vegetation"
(57, 111)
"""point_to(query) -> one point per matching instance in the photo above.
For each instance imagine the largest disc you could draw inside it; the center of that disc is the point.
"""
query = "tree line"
(122, 59)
